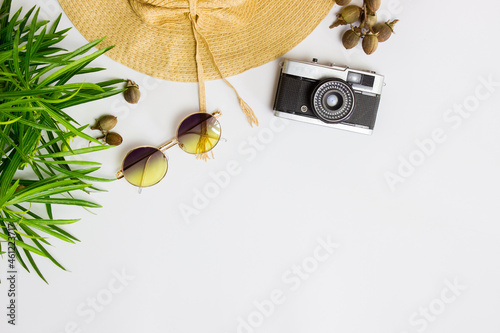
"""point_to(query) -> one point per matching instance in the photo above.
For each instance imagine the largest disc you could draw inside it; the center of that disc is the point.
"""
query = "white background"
(399, 248)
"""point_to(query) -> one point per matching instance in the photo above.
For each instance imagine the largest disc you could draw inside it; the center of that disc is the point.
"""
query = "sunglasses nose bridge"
(169, 144)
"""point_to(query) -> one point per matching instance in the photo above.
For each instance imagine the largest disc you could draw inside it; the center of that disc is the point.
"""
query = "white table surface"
(307, 234)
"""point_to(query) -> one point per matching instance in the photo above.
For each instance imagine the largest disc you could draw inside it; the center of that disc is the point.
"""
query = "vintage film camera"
(332, 96)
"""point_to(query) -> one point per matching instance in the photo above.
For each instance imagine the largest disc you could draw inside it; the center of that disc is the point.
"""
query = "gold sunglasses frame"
(169, 144)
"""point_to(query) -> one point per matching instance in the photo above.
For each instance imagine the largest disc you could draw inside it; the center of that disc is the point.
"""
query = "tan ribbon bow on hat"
(204, 15)
(212, 14)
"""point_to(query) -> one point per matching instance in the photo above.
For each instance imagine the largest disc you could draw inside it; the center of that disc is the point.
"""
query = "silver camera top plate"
(317, 71)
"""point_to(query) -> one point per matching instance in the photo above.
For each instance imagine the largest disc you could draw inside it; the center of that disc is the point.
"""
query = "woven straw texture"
(155, 37)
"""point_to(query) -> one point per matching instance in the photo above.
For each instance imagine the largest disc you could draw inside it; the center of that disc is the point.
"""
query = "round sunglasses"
(145, 166)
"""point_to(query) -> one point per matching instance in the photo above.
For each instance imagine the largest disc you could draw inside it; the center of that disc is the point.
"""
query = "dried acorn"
(342, 2)
(113, 138)
(351, 14)
(351, 38)
(384, 30)
(348, 15)
(132, 94)
(369, 21)
(370, 43)
(20, 187)
(373, 5)
(105, 123)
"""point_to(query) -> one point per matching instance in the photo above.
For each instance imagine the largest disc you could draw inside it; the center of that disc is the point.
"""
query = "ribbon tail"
(251, 117)
(199, 69)
(205, 156)
(201, 85)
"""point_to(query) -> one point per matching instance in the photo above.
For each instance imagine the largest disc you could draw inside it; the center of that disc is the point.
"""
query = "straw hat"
(156, 37)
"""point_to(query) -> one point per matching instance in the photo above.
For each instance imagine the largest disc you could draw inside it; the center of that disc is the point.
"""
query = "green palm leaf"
(35, 129)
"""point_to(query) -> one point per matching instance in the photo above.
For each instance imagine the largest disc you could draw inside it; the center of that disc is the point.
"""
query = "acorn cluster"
(105, 124)
(368, 30)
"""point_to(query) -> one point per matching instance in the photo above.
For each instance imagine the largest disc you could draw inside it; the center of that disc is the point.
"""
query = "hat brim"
(276, 27)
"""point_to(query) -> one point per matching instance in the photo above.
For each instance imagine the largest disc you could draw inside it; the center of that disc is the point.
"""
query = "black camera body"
(333, 96)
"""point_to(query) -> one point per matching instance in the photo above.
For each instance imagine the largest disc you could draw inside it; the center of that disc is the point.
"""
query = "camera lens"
(333, 100)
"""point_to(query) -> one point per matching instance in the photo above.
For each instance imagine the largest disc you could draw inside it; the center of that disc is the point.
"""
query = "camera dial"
(333, 100)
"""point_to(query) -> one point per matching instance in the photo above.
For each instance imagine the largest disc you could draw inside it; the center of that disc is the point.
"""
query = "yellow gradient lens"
(198, 133)
(144, 166)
